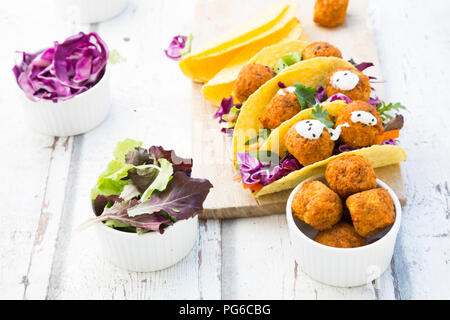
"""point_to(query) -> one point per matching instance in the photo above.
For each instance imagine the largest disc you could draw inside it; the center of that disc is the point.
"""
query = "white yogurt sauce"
(310, 129)
(288, 89)
(364, 117)
(335, 133)
(344, 80)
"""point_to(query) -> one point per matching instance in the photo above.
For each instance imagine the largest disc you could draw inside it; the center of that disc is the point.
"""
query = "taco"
(275, 25)
(302, 146)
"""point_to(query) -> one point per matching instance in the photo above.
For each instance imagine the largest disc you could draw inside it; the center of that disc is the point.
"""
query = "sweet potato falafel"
(371, 211)
(350, 174)
(250, 78)
(364, 124)
(317, 205)
(283, 106)
(341, 235)
(320, 49)
(349, 81)
(309, 141)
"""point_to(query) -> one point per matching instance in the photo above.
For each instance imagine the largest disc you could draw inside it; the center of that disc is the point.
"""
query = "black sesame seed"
(307, 121)
(314, 135)
(309, 129)
(318, 47)
(315, 52)
(358, 115)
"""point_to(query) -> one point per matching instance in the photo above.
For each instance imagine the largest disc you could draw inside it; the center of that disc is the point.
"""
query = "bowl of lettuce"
(64, 89)
(146, 207)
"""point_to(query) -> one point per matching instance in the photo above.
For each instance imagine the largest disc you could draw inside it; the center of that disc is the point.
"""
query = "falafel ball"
(341, 235)
(350, 174)
(250, 78)
(317, 205)
(308, 150)
(330, 13)
(349, 81)
(364, 124)
(283, 106)
(320, 49)
(371, 211)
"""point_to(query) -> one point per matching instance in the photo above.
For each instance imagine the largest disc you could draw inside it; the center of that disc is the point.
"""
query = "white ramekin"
(89, 11)
(149, 251)
(76, 115)
(341, 267)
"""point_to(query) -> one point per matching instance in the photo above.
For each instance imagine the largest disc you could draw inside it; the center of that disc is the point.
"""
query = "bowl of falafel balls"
(343, 224)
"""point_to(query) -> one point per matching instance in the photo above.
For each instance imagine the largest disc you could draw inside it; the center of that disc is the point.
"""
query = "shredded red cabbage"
(363, 66)
(345, 148)
(374, 101)
(253, 171)
(339, 96)
(320, 94)
(174, 51)
(64, 70)
(224, 109)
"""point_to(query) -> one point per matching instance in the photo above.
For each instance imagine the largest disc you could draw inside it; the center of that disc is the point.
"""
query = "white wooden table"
(46, 181)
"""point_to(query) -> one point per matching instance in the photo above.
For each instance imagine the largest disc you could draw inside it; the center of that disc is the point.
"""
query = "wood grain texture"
(212, 149)
(233, 258)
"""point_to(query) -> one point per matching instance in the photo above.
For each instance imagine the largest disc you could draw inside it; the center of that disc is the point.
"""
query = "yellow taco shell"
(270, 27)
(221, 86)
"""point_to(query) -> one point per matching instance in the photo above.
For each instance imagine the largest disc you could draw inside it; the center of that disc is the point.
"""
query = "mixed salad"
(145, 190)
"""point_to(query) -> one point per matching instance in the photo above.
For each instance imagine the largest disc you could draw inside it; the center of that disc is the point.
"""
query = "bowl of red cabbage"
(64, 88)
(146, 207)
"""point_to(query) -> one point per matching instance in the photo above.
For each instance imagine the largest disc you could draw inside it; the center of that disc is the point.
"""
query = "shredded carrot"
(256, 145)
(391, 134)
(253, 187)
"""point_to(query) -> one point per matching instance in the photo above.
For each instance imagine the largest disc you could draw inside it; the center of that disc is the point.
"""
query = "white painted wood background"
(46, 181)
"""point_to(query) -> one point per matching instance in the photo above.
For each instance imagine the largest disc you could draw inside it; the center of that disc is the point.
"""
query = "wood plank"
(212, 149)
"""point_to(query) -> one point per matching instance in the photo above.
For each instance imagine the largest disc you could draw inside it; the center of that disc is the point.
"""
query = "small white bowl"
(342, 267)
(76, 115)
(150, 251)
(89, 11)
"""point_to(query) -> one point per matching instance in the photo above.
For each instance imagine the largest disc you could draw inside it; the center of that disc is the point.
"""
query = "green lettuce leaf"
(110, 181)
(161, 181)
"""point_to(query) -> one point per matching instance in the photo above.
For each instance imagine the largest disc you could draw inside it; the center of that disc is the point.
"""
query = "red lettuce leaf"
(156, 221)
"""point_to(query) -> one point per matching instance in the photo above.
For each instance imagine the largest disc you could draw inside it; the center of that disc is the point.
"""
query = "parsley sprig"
(305, 95)
(321, 114)
(384, 108)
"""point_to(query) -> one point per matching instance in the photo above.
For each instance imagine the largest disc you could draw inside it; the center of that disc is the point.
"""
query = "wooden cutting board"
(212, 149)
